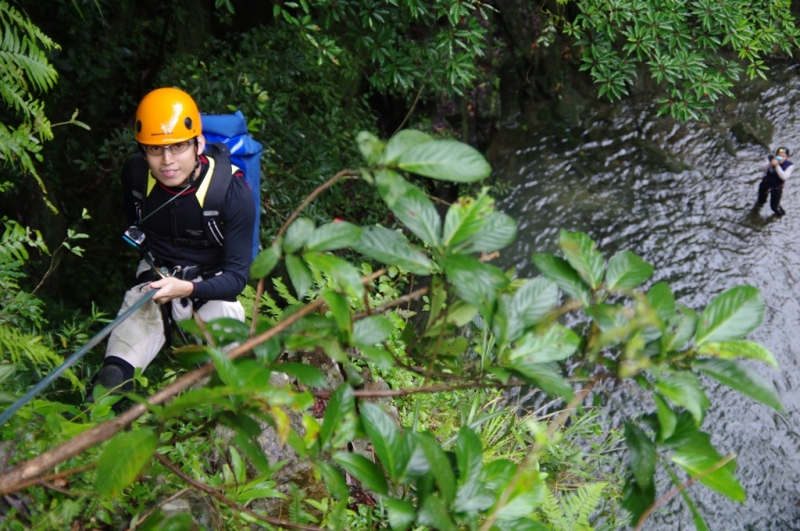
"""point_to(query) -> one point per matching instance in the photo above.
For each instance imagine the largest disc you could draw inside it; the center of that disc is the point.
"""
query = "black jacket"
(175, 234)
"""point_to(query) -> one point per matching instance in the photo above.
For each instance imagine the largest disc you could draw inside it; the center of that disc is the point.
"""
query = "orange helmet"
(166, 116)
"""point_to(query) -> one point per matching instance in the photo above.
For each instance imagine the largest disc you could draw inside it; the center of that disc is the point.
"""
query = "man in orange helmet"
(207, 254)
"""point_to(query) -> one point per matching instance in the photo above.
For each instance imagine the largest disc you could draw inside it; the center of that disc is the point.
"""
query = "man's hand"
(171, 288)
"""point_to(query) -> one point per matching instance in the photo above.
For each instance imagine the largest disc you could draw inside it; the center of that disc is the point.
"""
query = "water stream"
(680, 196)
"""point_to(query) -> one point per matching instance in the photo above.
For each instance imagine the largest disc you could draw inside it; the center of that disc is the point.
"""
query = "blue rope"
(75, 357)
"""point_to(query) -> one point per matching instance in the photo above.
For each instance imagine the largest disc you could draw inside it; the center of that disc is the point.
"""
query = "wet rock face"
(753, 128)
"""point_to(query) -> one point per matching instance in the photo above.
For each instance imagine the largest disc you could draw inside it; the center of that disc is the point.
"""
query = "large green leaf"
(265, 262)
(698, 456)
(434, 514)
(307, 374)
(340, 309)
(475, 282)
(741, 378)
(525, 497)
(535, 300)
(684, 390)
(341, 405)
(410, 206)
(371, 330)
(666, 418)
(543, 376)
(391, 247)
(636, 500)
(439, 465)
(445, 160)
(123, 459)
(738, 350)
(333, 236)
(402, 141)
(364, 470)
(386, 440)
(582, 255)
(400, 513)
(370, 146)
(641, 455)
(554, 344)
(334, 480)
(626, 270)
(345, 277)
(300, 275)
(472, 496)
(680, 329)
(559, 271)
(297, 234)
(661, 300)
(499, 231)
(732, 315)
(465, 218)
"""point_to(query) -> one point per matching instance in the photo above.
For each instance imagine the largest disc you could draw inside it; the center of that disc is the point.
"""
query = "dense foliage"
(489, 375)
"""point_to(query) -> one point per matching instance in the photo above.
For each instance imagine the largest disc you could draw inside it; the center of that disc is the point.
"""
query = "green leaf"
(666, 418)
(334, 480)
(559, 271)
(626, 270)
(549, 380)
(300, 275)
(445, 160)
(297, 235)
(465, 218)
(581, 254)
(742, 379)
(554, 344)
(391, 247)
(333, 236)
(402, 141)
(661, 300)
(345, 277)
(364, 471)
(499, 231)
(698, 456)
(341, 405)
(123, 459)
(400, 513)
(699, 523)
(475, 282)
(370, 146)
(738, 350)
(371, 330)
(684, 390)
(308, 375)
(434, 514)
(265, 262)
(341, 311)
(525, 497)
(472, 495)
(385, 437)
(641, 454)
(732, 315)
(535, 300)
(439, 465)
(410, 206)
(636, 500)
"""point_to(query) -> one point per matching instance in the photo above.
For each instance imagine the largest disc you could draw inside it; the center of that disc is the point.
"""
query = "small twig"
(411, 110)
(59, 475)
(149, 513)
(230, 503)
(58, 489)
(688, 483)
(388, 393)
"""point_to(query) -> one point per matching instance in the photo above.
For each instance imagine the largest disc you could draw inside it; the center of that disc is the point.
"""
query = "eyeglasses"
(176, 149)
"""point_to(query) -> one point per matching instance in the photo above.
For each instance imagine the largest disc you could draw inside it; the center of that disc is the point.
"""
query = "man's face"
(171, 165)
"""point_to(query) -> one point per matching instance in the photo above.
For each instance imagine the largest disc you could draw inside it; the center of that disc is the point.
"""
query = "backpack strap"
(212, 192)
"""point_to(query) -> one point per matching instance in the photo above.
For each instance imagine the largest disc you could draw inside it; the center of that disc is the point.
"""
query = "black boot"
(116, 374)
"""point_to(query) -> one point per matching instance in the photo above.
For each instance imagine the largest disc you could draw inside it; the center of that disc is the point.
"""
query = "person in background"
(778, 169)
(164, 187)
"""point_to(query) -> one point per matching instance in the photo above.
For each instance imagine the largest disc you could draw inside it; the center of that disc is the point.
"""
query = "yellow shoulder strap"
(151, 182)
(203, 190)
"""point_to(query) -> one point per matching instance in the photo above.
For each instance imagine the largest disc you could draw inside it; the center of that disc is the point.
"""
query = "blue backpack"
(245, 152)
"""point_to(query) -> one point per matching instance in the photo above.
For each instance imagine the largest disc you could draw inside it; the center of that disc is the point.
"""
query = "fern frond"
(552, 511)
(24, 46)
(579, 505)
(272, 307)
(283, 291)
(27, 349)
